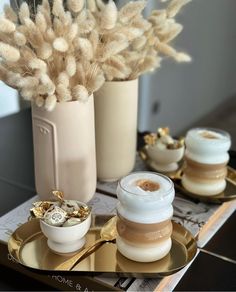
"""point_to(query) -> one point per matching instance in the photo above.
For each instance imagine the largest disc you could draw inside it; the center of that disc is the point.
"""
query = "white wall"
(8, 97)
(186, 92)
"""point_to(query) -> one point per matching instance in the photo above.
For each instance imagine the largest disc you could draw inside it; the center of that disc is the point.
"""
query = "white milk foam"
(138, 205)
(129, 184)
(207, 146)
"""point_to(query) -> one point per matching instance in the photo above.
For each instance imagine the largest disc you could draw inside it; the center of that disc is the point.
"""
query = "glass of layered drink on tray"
(144, 216)
(206, 159)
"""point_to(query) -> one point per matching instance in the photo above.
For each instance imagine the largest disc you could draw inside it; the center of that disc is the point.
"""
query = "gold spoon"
(107, 233)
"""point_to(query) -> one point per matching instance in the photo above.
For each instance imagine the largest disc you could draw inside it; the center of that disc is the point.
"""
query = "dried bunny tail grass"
(6, 26)
(50, 35)
(131, 56)
(79, 92)
(91, 5)
(27, 54)
(58, 27)
(86, 26)
(64, 79)
(46, 13)
(58, 9)
(3, 73)
(100, 4)
(80, 74)
(45, 51)
(46, 86)
(94, 39)
(28, 82)
(85, 47)
(63, 93)
(165, 49)
(72, 33)
(10, 14)
(117, 62)
(24, 12)
(139, 43)
(46, 5)
(27, 93)
(109, 15)
(60, 44)
(41, 22)
(37, 64)
(130, 10)
(158, 17)
(19, 39)
(39, 101)
(9, 53)
(50, 103)
(183, 57)
(149, 63)
(92, 72)
(70, 65)
(141, 23)
(132, 33)
(172, 34)
(34, 35)
(96, 82)
(75, 5)
(67, 19)
(13, 78)
(113, 48)
(112, 73)
(118, 36)
(175, 6)
(82, 17)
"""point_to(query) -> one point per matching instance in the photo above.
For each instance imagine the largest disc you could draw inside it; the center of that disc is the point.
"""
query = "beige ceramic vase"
(116, 107)
(64, 150)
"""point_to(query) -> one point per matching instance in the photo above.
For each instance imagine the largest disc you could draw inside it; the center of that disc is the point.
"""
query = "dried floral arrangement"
(66, 51)
(131, 45)
(42, 54)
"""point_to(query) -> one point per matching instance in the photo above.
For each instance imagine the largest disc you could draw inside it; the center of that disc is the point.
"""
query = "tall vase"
(116, 106)
(64, 150)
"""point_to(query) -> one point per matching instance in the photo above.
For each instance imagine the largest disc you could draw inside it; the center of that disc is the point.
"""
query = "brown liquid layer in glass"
(205, 172)
(140, 233)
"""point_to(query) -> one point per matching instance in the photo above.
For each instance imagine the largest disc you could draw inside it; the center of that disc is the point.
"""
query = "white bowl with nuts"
(65, 224)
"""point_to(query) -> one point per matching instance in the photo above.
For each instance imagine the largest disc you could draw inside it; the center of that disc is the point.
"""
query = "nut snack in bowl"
(163, 150)
(144, 216)
(64, 222)
(206, 160)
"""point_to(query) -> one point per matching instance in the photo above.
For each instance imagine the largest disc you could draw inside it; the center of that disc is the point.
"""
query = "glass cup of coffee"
(206, 159)
(144, 215)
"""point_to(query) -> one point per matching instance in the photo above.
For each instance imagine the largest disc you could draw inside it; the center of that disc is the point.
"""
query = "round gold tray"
(228, 194)
(28, 246)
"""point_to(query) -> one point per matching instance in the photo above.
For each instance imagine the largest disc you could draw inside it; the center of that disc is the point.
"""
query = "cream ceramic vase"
(116, 107)
(64, 150)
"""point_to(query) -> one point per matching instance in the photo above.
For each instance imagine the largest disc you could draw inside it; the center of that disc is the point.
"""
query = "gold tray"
(28, 246)
(228, 194)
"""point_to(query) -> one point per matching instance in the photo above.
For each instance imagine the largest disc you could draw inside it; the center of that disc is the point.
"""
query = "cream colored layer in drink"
(144, 254)
(142, 235)
(201, 172)
(203, 188)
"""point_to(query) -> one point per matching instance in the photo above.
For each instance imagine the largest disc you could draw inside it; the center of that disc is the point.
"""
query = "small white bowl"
(66, 239)
(165, 160)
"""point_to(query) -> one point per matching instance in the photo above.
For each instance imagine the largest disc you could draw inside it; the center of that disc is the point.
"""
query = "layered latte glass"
(206, 159)
(144, 216)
